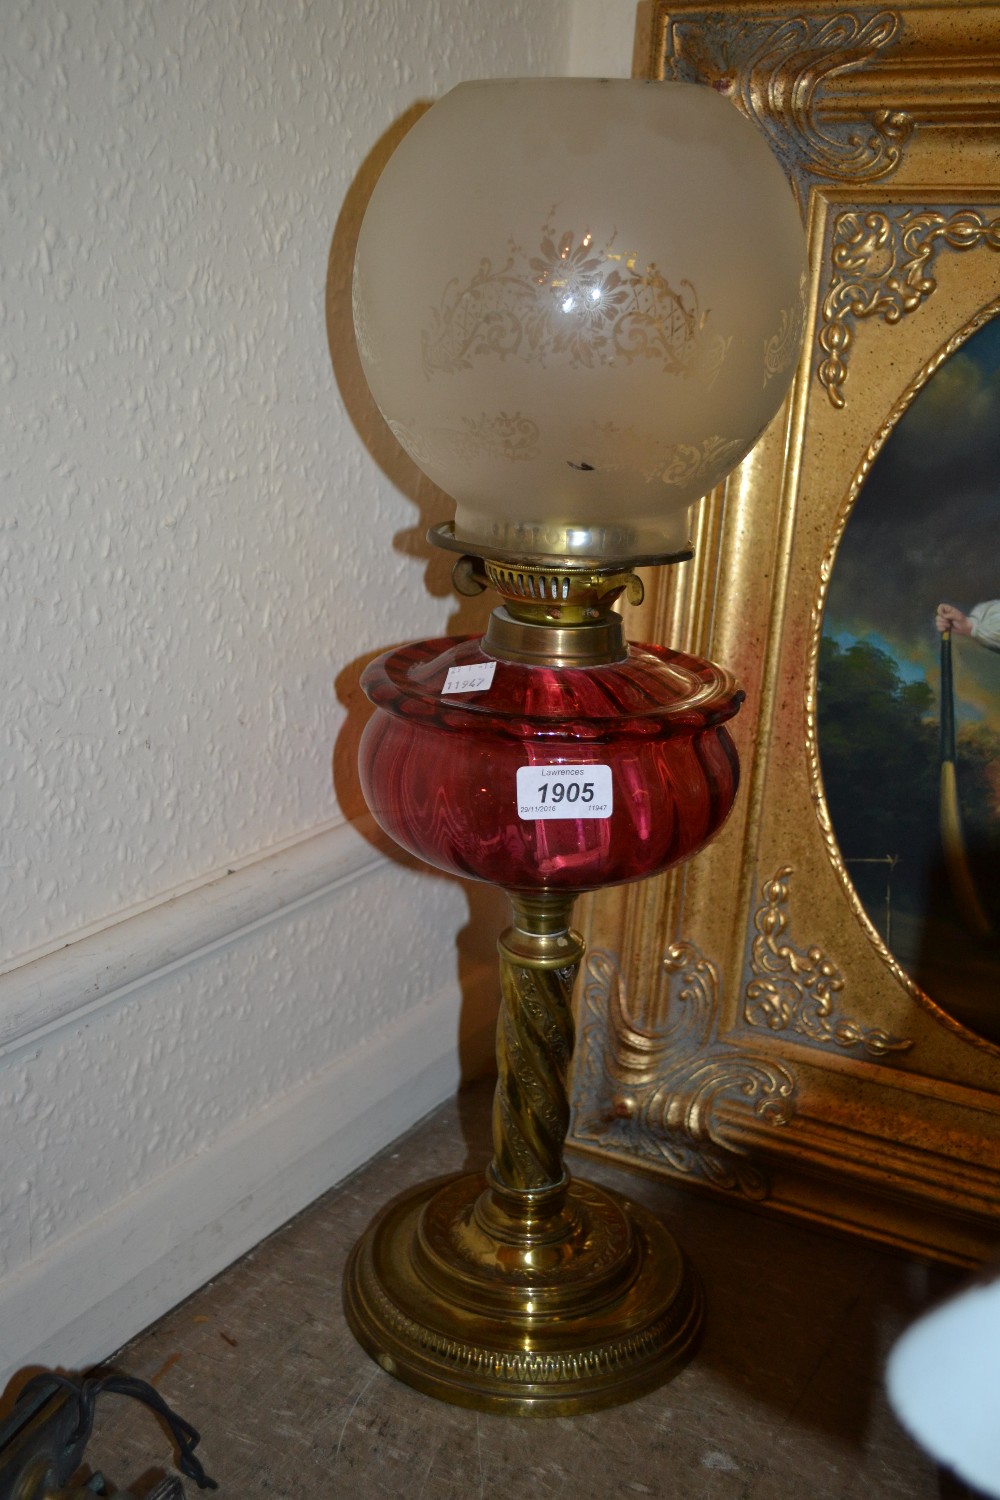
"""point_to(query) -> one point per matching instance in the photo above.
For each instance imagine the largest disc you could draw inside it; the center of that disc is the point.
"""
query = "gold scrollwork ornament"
(796, 989)
(778, 76)
(656, 1092)
(882, 264)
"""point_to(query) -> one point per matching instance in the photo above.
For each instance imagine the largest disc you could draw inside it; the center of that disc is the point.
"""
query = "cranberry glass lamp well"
(576, 357)
(562, 778)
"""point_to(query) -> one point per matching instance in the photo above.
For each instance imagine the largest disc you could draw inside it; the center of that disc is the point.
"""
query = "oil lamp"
(578, 303)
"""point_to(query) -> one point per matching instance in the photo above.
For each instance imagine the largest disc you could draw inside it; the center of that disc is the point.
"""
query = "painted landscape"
(925, 531)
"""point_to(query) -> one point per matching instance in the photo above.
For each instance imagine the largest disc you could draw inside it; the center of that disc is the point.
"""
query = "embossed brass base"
(564, 1301)
(519, 1290)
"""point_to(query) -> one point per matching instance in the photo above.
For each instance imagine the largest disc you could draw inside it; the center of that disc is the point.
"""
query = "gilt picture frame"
(743, 1023)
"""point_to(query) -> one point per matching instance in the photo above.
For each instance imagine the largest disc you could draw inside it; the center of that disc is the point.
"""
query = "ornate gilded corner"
(882, 265)
(797, 989)
(660, 1093)
(784, 72)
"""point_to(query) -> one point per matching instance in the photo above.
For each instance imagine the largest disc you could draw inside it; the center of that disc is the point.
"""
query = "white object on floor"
(943, 1379)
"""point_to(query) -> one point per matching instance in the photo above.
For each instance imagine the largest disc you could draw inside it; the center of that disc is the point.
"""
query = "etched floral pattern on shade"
(508, 437)
(513, 438)
(413, 440)
(624, 448)
(783, 345)
(571, 302)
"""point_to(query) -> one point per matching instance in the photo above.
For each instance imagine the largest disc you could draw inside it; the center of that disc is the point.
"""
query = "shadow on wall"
(432, 504)
(476, 942)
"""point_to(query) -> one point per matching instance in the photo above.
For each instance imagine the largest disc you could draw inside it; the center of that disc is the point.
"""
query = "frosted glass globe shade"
(578, 303)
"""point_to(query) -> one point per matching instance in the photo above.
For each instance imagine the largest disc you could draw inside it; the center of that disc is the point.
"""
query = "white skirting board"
(102, 1285)
(68, 981)
(79, 1298)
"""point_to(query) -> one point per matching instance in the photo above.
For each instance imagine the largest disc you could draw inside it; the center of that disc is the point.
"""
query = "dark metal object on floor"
(39, 1448)
(42, 1441)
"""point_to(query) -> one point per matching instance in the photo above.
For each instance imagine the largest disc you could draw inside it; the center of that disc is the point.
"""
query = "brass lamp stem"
(539, 959)
(526, 1292)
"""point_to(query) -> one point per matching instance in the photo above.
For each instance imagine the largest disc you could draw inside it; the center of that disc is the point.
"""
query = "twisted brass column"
(539, 959)
(523, 1290)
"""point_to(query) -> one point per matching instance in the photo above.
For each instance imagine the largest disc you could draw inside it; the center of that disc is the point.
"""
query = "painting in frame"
(806, 1016)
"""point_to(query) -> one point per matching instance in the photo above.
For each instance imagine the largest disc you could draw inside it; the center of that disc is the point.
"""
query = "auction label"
(472, 679)
(564, 792)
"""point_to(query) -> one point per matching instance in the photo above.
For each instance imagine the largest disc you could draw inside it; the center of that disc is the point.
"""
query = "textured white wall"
(204, 528)
(194, 540)
(602, 35)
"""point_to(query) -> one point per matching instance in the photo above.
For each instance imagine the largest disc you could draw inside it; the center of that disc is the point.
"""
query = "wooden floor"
(783, 1402)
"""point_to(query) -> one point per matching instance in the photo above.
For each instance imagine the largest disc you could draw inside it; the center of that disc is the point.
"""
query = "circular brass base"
(457, 1301)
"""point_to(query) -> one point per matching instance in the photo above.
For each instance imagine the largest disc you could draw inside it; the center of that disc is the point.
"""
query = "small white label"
(473, 679)
(564, 792)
